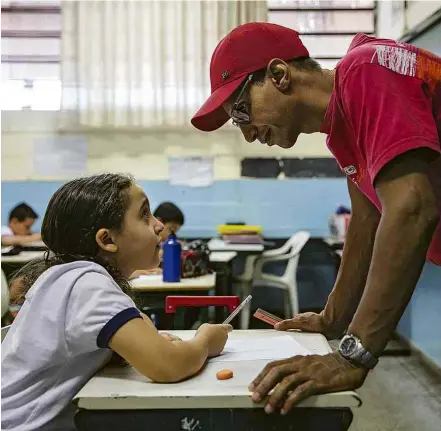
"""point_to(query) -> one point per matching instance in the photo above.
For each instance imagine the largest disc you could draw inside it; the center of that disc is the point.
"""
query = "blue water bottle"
(171, 259)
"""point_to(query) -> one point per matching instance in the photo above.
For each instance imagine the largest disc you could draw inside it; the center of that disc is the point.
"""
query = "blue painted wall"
(421, 322)
(280, 206)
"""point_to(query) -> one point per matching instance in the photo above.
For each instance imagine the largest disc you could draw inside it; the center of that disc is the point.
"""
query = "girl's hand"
(215, 336)
(169, 337)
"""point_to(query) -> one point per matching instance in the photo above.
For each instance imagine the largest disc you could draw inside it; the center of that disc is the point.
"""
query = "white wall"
(142, 154)
(390, 19)
(393, 20)
(420, 10)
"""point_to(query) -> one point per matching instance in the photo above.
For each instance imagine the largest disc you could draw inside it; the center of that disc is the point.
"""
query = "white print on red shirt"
(399, 60)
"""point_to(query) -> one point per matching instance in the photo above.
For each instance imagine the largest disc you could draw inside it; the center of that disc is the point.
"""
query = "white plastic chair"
(5, 294)
(289, 252)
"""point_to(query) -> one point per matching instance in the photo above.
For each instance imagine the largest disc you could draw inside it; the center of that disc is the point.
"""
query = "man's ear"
(279, 74)
(105, 241)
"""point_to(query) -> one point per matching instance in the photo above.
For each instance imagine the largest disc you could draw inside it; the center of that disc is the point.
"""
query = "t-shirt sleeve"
(96, 309)
(389, 113)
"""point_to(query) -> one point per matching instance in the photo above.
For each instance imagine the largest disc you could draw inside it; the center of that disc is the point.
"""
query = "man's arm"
(408, 222)
(354, 268)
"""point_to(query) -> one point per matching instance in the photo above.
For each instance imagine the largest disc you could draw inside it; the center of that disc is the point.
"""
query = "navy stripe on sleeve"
(114, 324)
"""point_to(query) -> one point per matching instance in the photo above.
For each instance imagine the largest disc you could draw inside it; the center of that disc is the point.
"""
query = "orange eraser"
(224, 374)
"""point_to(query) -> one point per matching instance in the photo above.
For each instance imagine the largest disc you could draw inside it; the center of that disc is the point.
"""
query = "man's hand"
(310, 322)
(297, 378)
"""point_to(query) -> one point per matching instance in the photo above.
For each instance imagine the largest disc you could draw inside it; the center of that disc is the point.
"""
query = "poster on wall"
(60, 156)
(191, 171)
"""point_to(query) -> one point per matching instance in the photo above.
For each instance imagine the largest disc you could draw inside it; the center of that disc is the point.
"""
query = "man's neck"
(320, 90)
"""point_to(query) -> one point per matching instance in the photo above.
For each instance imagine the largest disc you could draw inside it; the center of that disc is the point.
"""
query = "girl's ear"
(104, 239)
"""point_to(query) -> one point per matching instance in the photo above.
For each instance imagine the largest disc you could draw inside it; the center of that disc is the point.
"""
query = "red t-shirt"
(386, 101)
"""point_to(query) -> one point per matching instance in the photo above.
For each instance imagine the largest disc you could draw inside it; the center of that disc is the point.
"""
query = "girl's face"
(138, 242)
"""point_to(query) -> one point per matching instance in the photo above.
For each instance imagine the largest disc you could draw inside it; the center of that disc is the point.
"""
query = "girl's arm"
(162, 360)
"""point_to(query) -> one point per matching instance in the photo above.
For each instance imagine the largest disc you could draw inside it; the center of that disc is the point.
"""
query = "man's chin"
(287, 144)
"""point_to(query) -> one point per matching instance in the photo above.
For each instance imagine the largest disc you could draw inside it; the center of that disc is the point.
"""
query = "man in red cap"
(381, 111)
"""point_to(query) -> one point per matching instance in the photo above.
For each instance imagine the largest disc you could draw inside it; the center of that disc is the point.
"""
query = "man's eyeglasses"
(240, 114)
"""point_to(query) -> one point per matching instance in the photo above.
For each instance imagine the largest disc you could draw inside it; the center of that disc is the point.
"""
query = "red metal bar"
(172, 302)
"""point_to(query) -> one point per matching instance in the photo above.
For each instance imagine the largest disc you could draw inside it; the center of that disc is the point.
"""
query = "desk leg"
(304, 419)
(224, 286)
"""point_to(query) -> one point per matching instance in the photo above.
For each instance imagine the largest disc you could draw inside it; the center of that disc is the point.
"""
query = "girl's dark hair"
(75, 213)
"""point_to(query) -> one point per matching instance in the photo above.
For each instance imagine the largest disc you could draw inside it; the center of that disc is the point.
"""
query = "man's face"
(275, 116)
(21, 227)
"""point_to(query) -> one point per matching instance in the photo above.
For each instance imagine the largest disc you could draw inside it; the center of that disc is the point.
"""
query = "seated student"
(78, 309)
(18, 231)
(173, 219)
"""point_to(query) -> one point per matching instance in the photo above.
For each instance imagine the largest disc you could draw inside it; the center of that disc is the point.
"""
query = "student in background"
(18, 231)
(173, 219)
(78, 309)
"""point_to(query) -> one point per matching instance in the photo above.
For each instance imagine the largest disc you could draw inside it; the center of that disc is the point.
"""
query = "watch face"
(348, 346)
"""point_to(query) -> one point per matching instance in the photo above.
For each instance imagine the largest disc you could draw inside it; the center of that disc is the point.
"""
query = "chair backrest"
(298, 241)
(5, 294)
(5, 330)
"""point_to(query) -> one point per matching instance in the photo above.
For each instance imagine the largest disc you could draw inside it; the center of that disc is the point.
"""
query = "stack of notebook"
(241, 234)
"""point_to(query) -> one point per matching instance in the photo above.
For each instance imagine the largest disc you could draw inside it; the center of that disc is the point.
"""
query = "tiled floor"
(399, 395)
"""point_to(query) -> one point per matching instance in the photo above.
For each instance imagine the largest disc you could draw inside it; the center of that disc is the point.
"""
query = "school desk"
(217, 244)
(150, 292)
(23, 257)
(122, 399)
(154, 283)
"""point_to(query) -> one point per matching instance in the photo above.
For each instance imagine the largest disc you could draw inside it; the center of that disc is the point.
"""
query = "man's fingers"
(300, 393)
(289, 383)
(265, 371)
(272, 378)
(301, 322)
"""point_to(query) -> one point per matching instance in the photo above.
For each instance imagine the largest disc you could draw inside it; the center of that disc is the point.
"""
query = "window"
(327, 27)
(30, 46)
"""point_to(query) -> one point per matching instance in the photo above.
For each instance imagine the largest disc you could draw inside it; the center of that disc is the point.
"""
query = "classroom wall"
(281, 206)
(394, 19)
(142, 154)
(421, 322)
(419, 10)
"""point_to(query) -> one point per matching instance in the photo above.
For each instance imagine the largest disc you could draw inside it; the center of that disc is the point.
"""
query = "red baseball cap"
(246, 49)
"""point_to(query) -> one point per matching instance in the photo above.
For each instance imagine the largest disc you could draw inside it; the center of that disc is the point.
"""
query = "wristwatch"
(352, 350)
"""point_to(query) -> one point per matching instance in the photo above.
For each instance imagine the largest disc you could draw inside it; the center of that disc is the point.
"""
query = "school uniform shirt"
(6, 231)
(57, 342)
(386, 101)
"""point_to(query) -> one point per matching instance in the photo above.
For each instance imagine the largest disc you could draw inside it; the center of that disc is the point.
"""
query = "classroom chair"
(289, 253)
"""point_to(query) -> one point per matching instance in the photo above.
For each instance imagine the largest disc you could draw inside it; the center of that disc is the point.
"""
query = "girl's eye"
(146, 213)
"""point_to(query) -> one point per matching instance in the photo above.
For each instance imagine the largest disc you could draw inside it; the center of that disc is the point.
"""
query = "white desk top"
(35, 244)
(124, 388)
(222, 256)
(217, 244)
(155, 283)
(23, 257)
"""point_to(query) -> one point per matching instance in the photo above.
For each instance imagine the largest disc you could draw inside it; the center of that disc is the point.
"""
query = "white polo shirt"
(57, 342)
(6, 231)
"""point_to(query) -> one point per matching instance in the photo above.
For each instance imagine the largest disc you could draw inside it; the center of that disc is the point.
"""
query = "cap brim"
(212, 115)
